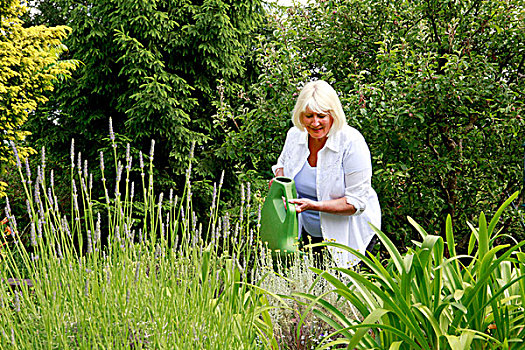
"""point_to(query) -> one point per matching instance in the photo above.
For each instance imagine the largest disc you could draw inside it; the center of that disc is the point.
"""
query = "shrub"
(433, 298)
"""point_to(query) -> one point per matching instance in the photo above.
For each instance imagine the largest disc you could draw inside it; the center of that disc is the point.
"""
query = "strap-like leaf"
(418, 227)
(496, 217)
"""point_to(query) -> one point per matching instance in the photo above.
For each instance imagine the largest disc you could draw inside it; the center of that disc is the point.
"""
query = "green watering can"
(279, 228)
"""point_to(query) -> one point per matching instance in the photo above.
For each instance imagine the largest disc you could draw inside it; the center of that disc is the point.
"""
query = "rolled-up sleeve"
(357, 189)
(357, 167)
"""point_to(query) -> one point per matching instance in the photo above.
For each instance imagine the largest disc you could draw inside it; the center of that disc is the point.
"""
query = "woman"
(331, 166)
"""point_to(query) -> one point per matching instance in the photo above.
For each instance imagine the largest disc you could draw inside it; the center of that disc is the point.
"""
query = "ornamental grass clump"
(433, 298)
(135, 271)
(288, 278)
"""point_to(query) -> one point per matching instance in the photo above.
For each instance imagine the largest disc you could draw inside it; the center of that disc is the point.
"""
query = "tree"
(29, 66)
(436, 87)
(153, 66)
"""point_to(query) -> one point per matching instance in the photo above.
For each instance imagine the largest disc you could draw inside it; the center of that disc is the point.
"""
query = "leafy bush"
(436, 87)
(30, 66)
(433, 298)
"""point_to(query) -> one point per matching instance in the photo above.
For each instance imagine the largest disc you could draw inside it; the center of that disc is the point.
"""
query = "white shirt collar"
(332, 143)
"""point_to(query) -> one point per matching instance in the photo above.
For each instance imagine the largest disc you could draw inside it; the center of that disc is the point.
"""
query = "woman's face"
(317, 124)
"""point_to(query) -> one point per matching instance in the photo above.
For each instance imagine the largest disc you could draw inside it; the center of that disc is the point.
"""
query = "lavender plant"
(114, 276)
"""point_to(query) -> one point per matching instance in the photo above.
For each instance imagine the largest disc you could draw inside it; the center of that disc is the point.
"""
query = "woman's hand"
(302, 204)
(278, 172)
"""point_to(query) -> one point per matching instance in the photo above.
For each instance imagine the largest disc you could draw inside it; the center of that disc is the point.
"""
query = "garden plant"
(431, 297)
(136, 269)
(129, 272)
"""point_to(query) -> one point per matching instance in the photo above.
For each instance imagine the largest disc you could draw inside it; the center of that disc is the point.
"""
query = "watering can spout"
(279, 226)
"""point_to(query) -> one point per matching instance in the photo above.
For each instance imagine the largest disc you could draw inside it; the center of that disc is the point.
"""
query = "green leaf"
(373, 317)
(392, 250)
(395, 345)
(461, 342)
(500, 210)
(418, 227)
(483, 239)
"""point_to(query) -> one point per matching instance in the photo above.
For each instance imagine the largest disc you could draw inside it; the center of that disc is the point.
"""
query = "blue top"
(305, 183)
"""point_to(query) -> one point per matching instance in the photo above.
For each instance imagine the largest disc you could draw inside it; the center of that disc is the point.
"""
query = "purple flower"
(43, 158)
(128, 158)
(15, 151)
(28, 171)
(72, 153)
(152, 150)
(111, 133)
(102, 167)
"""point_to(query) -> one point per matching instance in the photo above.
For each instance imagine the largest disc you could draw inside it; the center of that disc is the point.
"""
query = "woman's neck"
(315, 145)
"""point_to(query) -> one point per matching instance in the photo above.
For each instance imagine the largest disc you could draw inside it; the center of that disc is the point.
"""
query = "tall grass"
(137, 270)
(134, 271)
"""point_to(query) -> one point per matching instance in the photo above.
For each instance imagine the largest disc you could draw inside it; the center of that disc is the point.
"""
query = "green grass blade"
(395, 345)
(483, 239)
(418, 227)
(500, 210)
(400, 334)
(372, 318)
(473, 238)
(391, 248)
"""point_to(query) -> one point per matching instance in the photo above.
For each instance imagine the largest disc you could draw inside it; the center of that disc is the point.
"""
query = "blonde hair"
(319, 97)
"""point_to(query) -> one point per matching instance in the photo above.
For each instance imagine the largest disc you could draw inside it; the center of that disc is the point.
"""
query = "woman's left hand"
(302, 204)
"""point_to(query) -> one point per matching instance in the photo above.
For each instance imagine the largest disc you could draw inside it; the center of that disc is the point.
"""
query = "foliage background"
(30, 64)
(155, 68)
(436, 87)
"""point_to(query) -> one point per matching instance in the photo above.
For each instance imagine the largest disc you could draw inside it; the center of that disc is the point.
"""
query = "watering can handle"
(287, 192)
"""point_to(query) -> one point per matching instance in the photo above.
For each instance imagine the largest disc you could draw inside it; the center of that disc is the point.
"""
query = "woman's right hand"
(278, 172)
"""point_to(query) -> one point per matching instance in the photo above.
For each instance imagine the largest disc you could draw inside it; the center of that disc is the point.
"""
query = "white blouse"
(344, 169)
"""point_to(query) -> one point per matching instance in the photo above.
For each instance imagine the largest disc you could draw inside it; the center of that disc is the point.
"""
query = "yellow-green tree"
(29, 64)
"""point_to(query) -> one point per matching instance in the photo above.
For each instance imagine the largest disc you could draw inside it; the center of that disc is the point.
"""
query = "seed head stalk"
(72, 176)
(214, 212)
(106, 194)
(87, 204)
(27, 190)
(184, 215)
(24, 181)
(173, 224)
(119, 217)
(128, 197)
(149, 202)
(85, 198)
(144, 192)
(113, 143)
(114, 222)
(13, 269)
